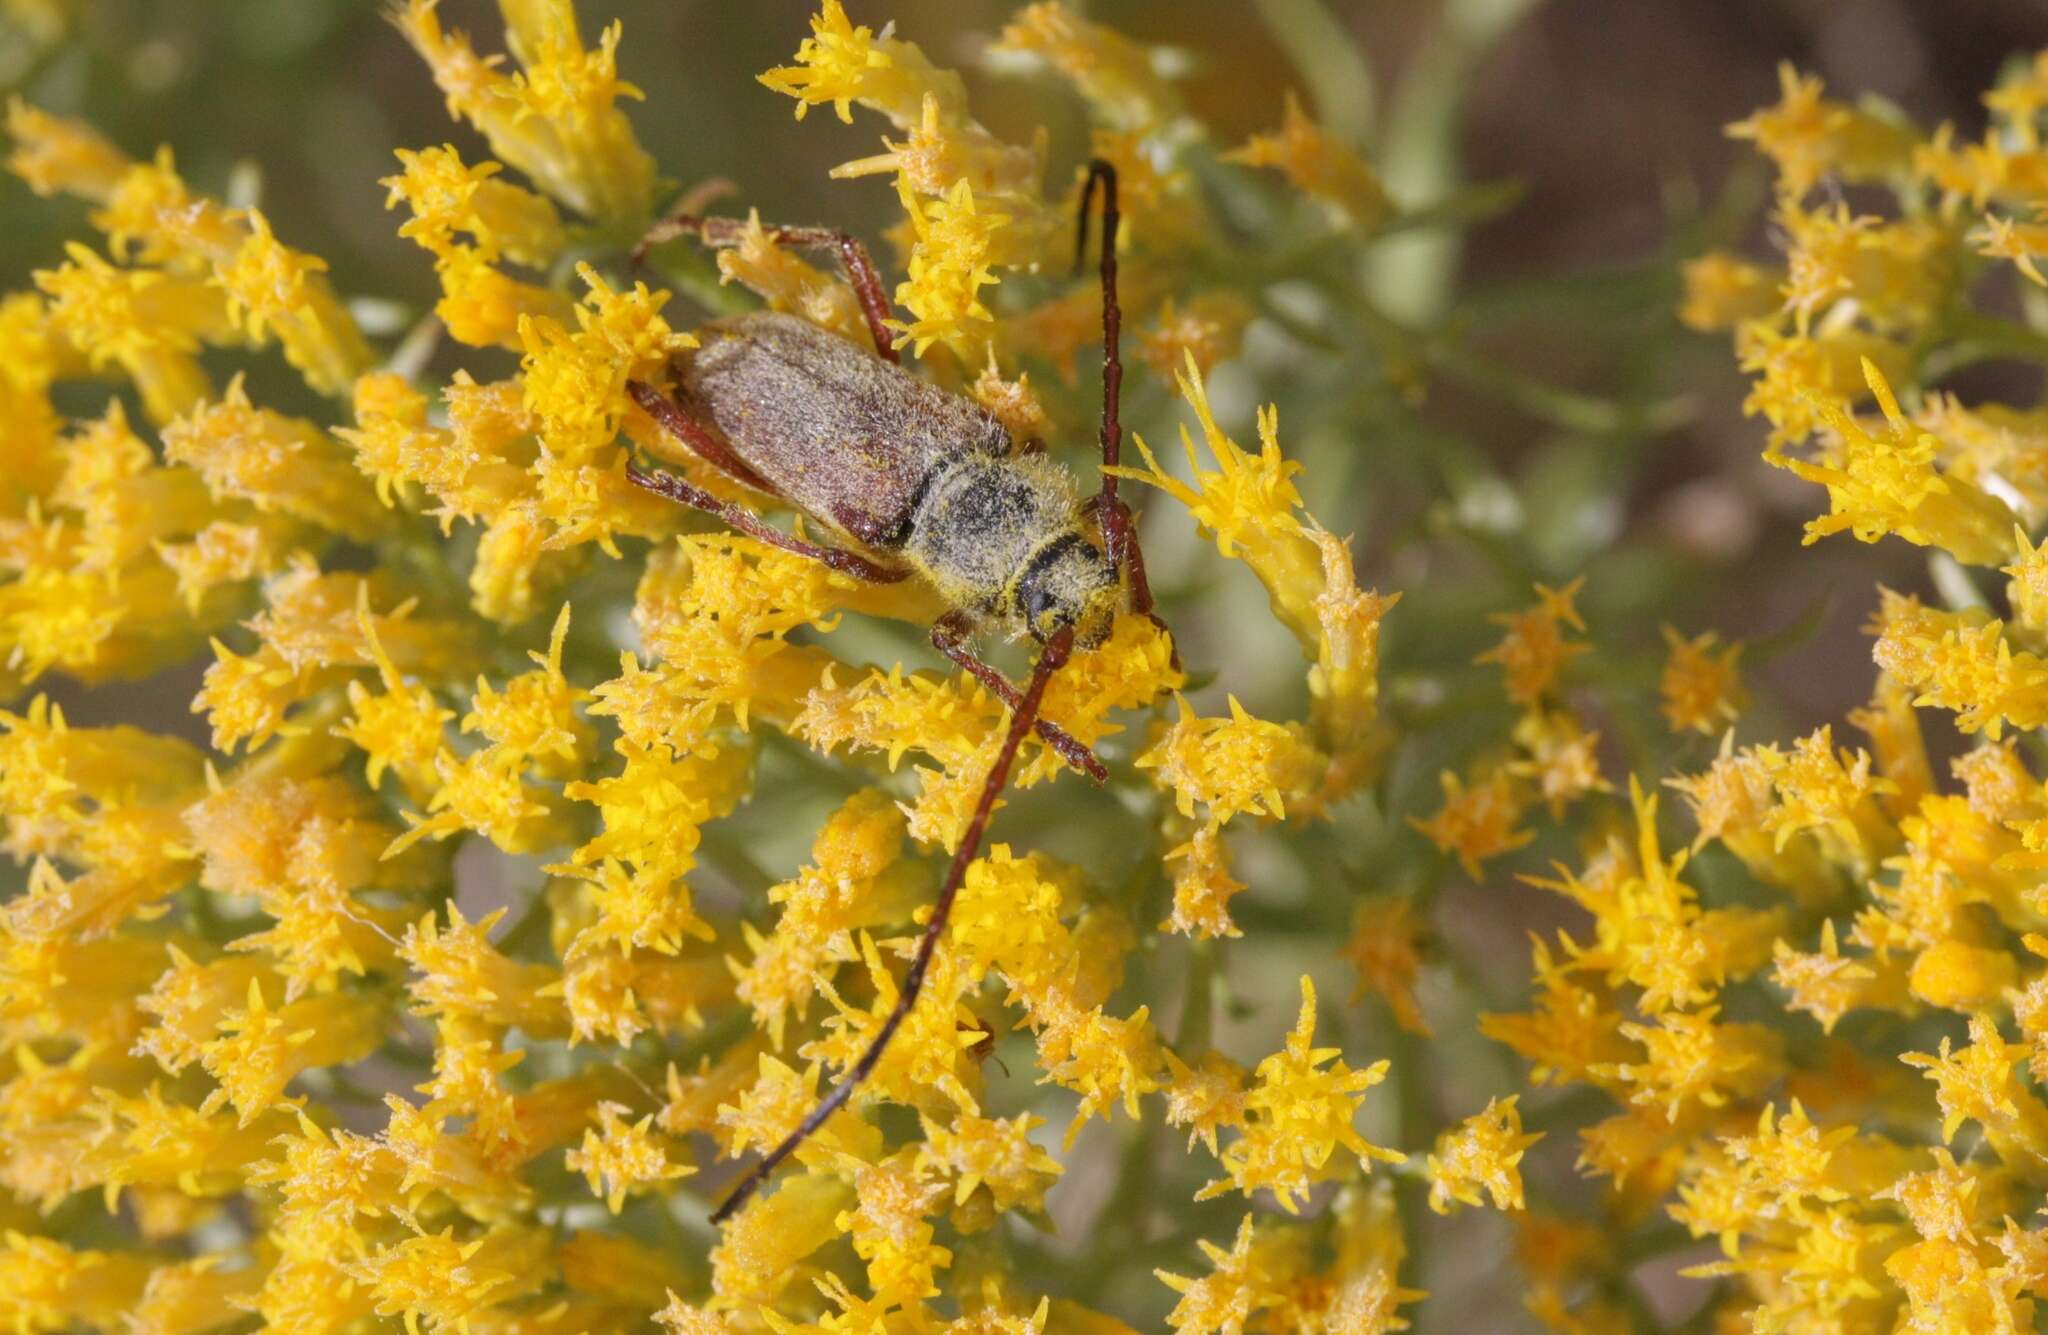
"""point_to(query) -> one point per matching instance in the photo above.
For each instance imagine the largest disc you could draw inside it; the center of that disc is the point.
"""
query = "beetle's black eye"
(1034, 600)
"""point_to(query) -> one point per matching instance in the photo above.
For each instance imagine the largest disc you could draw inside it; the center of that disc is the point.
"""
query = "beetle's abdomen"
(841, 434)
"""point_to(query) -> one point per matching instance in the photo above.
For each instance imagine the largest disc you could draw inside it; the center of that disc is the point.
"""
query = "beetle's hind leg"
(706, 444)
(949, 637)
(853, 257)
(746, 521)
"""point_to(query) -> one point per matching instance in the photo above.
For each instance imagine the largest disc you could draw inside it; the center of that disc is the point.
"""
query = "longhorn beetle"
(917, 481)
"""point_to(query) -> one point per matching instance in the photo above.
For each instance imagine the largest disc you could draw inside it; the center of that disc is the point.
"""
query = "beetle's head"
(1069, 582)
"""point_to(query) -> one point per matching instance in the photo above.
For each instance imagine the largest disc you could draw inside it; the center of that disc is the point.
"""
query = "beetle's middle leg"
(949, 637)
(853, 257)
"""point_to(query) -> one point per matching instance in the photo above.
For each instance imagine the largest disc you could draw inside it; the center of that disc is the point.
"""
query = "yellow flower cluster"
(442, 985)
(1753, 1047)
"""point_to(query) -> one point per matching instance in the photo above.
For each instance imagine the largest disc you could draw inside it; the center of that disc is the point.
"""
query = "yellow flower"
(1113, 72)
(843, 64)
(313, 634)
(762, 1251)
(1224, 1300)
(446, 1281)
(270, 289)
(1887, 483)
(261, 1050)
(1960, 977)
(1894, 276)
(303, 849)
(1961, 661)
(978, 1153)
(1562, 758)
(1206, 1098)
(275, 290)
(1319, 165)
(273, 462)
(446, 196)
(1385, 949)
(1108, 1060)
(1482, 1153)
(1477, 822)
(1722, 291)
(1798, 377)
(891, 1232)
(557, 119)
(789, 283)
(618, 1158)
(1298, 1112)
(952, 261)
(1207, 330)
(190, 1295)
(55, 155)
(1203, 886)
(1702, 689)
(1690, 1059)
(1826, 984)
(1809, 137)
(1231, 766)
(1250, 506)
(461, 974)
(483, 306)
(1975, 1083)
(147, 322)
(49, 1286)
(1534, 652)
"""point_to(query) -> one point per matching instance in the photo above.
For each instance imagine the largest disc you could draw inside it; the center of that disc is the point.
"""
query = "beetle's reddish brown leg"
(1021, 720)
(706, 445)
(853, 257)
(740, 517)
(751, 524)
(687, 206)
(949, 637)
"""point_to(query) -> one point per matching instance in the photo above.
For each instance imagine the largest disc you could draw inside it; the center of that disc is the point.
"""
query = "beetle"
(914, 481)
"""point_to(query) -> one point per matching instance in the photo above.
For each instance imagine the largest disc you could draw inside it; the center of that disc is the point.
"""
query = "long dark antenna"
(1055, 654)
(1114, 519)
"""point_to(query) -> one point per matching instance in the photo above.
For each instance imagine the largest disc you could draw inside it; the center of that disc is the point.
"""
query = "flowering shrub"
(452, 980)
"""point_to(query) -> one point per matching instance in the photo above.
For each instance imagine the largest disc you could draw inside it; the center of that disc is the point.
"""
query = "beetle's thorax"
(1000, 537)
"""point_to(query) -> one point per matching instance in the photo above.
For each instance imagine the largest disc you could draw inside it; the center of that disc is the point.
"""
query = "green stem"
(1198, 1001)
(1974, 337)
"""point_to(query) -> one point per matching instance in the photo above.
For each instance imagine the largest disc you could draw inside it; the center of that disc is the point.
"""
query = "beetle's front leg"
(949, 637)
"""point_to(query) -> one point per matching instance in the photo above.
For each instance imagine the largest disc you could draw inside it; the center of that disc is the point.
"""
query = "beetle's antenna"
(1021, 720)
(1114, 519)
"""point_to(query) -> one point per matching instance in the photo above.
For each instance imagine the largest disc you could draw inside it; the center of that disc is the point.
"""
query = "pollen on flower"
(618, 1157)
(1482, 1154)
(1299, 1110)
